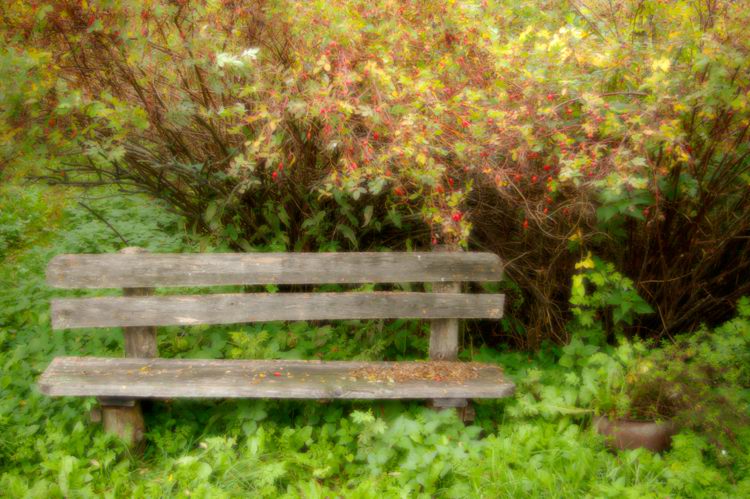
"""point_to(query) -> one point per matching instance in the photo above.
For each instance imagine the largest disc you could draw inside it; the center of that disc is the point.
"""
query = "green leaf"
(348, 233)
(367, 215)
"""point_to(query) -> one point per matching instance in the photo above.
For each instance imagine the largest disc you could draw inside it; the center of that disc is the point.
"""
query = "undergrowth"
(288, 448)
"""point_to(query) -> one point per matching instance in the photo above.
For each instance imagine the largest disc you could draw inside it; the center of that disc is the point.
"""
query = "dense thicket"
(538, 130)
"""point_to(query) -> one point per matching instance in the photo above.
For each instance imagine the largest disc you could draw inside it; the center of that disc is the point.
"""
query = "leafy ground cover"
(538, 444)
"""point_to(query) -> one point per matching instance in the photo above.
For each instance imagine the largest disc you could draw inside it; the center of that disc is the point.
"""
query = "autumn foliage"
(539, 130)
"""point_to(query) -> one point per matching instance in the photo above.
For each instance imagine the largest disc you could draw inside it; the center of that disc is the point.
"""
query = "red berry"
(550, 97)
(465, 123)
(375, 136)
(440, 189)
(546, 210)
(275, 175)
(525, 224)
(281, 166)
(277, 373)
(450, 182)
(547, 168)
(457, 216)
(517, 177)
(399, 191)
(534, 178)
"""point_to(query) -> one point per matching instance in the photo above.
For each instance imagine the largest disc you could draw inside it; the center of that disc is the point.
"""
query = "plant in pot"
(608, 379)
(694, 382)
(642, 395)
(603, 302)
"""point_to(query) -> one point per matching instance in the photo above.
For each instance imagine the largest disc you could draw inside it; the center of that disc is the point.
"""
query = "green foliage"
(698, 381)
(292, 449)
(603, 300)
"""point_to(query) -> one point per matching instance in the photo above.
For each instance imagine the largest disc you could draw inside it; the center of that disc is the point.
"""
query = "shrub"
(698, 381)
(538, 130)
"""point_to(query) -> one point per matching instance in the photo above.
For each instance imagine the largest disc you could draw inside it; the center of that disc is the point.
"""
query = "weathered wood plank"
(68, 313)
(174, 378)
(214, 269)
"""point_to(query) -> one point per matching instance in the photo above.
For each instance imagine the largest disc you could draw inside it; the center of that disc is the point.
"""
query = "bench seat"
(299, 379)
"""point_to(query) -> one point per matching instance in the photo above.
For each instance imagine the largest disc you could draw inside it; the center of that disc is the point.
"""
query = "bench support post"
(124, 417)
(444, 343)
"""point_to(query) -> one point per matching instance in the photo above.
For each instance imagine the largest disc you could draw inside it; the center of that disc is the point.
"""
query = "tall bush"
(538, 130)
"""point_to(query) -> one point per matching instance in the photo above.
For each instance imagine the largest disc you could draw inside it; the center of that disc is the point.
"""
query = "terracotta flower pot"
(623, 434)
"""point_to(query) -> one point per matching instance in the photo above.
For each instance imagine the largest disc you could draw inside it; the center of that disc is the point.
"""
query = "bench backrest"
(139, 272)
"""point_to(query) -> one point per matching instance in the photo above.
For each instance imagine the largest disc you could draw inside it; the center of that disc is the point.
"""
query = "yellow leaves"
(576, 238)
(586, 263)
(662, 64)
(323, 63)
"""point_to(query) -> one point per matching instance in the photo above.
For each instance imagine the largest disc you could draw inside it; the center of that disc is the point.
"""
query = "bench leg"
(463, 407)
(124, 419)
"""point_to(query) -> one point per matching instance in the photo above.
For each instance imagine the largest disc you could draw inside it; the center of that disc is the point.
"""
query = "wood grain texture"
(125, 422)
(115, 311)
(214, 269)
(139, 341)
(297, 379)
(444, 332)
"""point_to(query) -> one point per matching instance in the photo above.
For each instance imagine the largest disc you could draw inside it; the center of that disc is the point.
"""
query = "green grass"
(282, 448)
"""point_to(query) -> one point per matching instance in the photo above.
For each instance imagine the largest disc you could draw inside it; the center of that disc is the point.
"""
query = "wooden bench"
(119, 383)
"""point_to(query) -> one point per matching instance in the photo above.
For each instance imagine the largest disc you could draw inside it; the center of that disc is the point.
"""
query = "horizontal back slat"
(215, 269)
(262, 307)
